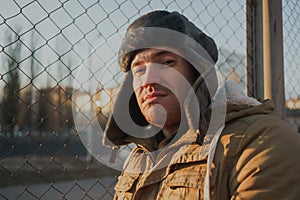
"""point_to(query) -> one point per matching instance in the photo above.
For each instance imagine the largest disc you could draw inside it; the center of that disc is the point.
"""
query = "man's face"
(161, 80)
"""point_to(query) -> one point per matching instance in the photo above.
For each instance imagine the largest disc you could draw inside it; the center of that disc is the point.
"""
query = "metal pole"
(273, 54)
(267, 51)
(255, 80)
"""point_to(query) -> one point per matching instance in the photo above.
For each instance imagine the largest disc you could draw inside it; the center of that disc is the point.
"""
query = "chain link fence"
(50, 50)
(291, 28)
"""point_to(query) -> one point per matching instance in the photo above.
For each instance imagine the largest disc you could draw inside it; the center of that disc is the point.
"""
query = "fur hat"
(163, 19)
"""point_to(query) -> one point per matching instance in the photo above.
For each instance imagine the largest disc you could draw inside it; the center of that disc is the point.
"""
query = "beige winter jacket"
(256, 157)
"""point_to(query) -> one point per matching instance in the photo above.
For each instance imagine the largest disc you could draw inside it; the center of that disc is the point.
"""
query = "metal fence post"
(273, 54)
(254, 50)
(265, 51)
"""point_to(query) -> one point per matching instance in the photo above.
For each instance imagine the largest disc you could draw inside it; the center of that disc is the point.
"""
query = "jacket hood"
(239, 105)
(229, 96)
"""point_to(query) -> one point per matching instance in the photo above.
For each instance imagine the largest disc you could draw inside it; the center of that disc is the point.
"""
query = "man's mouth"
(150, 98)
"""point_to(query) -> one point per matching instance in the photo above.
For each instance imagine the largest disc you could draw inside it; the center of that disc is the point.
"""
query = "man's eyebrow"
(153, 55)
(138, 61)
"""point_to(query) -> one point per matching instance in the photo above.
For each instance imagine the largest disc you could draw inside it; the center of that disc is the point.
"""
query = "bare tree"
(10, 101)
(29, 115)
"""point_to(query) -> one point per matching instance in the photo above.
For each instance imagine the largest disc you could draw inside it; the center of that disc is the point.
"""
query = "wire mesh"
(291, 28)
(50, 50)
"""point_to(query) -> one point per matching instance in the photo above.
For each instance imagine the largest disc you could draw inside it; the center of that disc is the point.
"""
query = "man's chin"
(157, 115)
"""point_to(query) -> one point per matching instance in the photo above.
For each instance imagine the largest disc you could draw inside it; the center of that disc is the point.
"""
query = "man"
(194, 141)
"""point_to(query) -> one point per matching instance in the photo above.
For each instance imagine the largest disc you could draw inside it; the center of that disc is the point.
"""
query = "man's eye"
(139, 70)
(168, 62)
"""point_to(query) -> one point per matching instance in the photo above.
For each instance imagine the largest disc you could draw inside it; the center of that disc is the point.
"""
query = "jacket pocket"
(124, 188)
(186, 183)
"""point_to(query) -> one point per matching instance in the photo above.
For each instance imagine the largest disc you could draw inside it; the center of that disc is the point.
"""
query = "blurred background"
(58, 60)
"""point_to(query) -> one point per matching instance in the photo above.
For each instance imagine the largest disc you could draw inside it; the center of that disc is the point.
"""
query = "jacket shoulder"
(255, 130)
(253, 150)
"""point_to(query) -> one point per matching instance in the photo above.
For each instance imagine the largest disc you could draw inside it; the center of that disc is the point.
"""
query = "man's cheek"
(136, 84)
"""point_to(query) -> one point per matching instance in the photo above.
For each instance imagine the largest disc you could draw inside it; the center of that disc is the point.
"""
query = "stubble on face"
(159, 106)
(161, 98)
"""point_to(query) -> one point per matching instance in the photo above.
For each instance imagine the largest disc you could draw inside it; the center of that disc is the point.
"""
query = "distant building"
(41, 112)
(293, 112)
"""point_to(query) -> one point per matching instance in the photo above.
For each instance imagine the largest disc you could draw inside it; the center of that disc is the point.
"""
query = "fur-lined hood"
(229, 97)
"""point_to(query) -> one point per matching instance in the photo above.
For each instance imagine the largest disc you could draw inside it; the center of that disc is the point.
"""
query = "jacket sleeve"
(267, 165)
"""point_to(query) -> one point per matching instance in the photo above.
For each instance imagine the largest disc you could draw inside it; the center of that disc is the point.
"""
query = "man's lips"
(153, 96)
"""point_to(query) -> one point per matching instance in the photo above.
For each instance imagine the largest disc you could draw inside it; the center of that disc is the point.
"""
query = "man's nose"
(152, 74)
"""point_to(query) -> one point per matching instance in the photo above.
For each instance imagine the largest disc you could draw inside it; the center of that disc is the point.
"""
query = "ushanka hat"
(162, 19)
